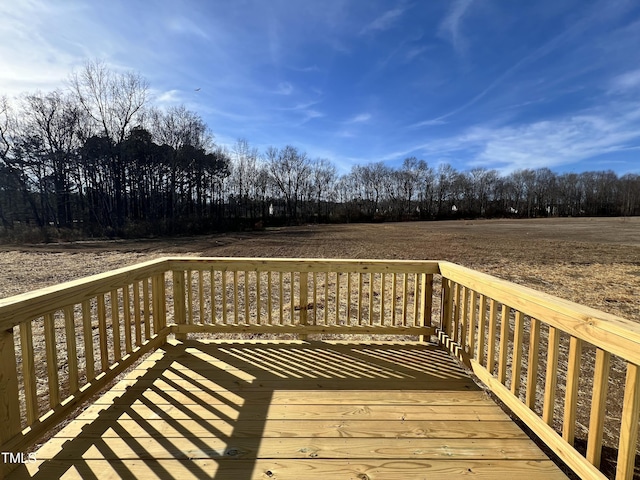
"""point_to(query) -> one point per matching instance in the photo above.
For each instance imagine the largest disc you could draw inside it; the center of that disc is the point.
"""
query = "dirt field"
(593, 261)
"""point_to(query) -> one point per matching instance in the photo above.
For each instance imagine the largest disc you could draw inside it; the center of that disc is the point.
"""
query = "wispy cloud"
(360, 118)
(185, 26)
(450, 27)
(308, 69)
(625, 82)
(414, 52)
(167, 97)
(548, 143)
(32, 59)
(429, 123)
(302, 105)
(383, 22)
(310, 115)
(345, 134)
(535, 55)
(284, 88)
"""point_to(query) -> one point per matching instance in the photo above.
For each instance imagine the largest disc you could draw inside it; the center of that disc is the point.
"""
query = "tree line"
(99, 159)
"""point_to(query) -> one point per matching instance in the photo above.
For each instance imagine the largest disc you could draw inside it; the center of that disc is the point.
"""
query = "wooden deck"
(292, 409)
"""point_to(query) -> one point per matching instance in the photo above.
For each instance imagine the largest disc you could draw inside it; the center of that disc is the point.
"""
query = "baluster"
(235, 298)
(115, 325)
(598, 406)
(504, 341)
(416, 300)
(491, 336)
(281, 295)
(472, 323)
(28, 372)
(532, 371)
(258, 297)
(551, 377)
(9, 400)
(179, 308)
(136, 311)
(482, 312)
(223, 274)
(517, 353)
(269, 299)
(371, 283)
(88, 341)
(102, 331)
(326, 298)
(383, 295)
(629, 424)
(571, 395)
(360, 289)
(247, 313)
(72, 352)
(52, 359)
(394, 278)
(405, 298)
(201, 296)
(212, 295)
(464, 321)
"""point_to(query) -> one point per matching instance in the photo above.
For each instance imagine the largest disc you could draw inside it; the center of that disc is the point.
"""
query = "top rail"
(306, 265)
(614, 334)
(13, 310)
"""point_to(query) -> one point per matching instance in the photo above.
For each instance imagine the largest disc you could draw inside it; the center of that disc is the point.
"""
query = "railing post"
(304, 301)
(426, 302)
(446, 307)
(159, 301)
(179, 307)
(9, 402)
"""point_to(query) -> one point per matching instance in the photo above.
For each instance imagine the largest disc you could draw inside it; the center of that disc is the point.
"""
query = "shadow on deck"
(292, 409)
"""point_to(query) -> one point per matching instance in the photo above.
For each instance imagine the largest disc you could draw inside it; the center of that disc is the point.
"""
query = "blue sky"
(475, 83)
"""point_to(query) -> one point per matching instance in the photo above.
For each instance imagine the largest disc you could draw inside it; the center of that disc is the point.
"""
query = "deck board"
(293, 409)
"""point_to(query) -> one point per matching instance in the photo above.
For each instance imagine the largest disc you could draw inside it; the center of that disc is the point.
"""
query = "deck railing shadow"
(201, 384)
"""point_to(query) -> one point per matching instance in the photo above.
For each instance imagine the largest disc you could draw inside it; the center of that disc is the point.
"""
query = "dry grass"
(595, 262)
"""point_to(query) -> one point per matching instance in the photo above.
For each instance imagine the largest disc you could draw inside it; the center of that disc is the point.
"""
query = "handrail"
(485, 320)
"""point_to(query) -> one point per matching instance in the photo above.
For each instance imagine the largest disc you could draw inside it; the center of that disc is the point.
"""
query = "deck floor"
(272, 410)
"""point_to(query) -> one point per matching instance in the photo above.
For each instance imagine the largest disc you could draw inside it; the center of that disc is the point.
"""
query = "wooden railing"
(507, 332)
(302, 296)
(61, 345)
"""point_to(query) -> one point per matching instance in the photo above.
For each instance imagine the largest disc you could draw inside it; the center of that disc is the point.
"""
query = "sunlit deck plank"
(233, 409)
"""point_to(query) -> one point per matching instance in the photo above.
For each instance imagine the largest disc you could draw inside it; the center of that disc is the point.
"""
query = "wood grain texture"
(260, 469)
(293, 409)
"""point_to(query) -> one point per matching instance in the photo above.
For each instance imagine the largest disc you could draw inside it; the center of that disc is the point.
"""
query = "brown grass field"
(592, 261)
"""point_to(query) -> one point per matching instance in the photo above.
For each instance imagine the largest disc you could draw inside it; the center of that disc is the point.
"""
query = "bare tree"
(115, 102)
(289, 170)
(6, 126)
(52, 120)
(323, 178)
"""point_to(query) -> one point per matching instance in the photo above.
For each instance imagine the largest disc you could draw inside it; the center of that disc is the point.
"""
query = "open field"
(593, 261)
